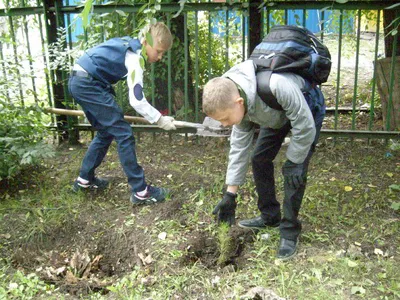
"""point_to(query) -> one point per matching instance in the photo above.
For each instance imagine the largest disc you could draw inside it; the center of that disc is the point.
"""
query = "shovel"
(210, 127)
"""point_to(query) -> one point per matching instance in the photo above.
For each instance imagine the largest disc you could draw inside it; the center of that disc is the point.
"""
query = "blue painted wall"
(73, 21)
(295, 17)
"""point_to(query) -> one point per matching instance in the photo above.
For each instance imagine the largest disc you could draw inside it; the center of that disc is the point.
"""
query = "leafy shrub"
(21, 138)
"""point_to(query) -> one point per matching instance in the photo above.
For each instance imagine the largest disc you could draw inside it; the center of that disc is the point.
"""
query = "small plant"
(224, 243)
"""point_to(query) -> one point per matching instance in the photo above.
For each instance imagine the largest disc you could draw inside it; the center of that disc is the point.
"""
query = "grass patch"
(348, 248)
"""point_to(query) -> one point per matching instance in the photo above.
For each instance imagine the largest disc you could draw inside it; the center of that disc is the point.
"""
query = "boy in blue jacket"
(91, 86)
(233, 100)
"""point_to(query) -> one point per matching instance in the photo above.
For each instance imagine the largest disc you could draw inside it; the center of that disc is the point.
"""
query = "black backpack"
(289, 49)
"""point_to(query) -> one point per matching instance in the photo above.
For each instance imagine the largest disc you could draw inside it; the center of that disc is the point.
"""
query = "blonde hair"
(219, 94)
(161, 35)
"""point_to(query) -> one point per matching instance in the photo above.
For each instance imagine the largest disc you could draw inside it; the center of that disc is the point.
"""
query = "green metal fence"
(41, 39)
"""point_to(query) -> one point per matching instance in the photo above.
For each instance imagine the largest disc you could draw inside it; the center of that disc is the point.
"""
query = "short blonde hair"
(161, 35)
(219, 94)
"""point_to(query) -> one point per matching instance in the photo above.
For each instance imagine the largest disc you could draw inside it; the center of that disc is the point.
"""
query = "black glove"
(226, 209)
(293, 174)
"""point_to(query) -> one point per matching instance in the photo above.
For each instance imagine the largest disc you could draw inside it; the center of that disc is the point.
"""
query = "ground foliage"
(22, 135)
(60, 245)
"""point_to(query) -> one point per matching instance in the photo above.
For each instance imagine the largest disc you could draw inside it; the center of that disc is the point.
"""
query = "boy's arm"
(241, 138)
(290, 97)
(135, 66)
(239, 154)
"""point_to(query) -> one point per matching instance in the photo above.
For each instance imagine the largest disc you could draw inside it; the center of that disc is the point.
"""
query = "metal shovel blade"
(209, 127)
(213, 128)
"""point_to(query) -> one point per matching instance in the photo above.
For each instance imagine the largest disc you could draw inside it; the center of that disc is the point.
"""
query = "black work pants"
(267, 147)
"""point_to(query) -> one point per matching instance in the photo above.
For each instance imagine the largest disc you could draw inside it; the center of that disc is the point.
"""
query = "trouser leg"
(123, 134)
(267, 147)
(98, 102)
(95, 154)
(290, 226)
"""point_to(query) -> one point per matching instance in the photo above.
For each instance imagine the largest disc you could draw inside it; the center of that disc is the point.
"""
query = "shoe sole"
(146, 202)
(88, 189)
(259, 228)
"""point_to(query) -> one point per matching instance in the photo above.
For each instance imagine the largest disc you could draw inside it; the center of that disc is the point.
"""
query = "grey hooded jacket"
(286, 87)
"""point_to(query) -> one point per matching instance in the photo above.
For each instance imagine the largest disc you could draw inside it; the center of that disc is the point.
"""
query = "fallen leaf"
(348, 188)
(265, 236)
(70, 278)
(378, 252)
(357, 290)
(162, 235)
(148, 260)
(216, 280)
(389, 174)
(395, 187)
(262, 293)
(395, 205)
(351, 263)
(60, 270)
(338, 281)
(145, 260)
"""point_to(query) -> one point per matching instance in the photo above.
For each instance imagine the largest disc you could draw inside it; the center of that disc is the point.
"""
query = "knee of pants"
(261, 161)
(125, 139)
(104, 137)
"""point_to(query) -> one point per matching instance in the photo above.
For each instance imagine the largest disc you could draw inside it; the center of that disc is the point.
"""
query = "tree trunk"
(389, 15)
(388, 87)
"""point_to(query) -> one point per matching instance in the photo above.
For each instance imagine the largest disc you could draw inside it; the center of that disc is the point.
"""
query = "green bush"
(21, 138)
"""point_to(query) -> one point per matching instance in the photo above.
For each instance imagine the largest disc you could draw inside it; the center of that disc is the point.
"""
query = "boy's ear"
(239, 100)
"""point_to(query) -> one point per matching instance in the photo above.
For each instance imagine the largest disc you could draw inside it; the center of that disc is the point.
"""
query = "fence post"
(255, 25)
(54, 19)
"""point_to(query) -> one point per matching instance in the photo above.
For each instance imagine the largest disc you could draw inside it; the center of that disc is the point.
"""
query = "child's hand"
(166, 123)
(293, 174)
(226, 209)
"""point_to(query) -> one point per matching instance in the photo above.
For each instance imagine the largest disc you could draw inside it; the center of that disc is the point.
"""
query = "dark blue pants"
(267, 147)
(98, 102)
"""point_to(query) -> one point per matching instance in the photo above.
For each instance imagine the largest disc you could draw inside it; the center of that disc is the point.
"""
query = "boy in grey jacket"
(232, 99)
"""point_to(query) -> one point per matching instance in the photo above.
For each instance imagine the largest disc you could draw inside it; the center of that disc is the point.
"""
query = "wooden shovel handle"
(79, 113)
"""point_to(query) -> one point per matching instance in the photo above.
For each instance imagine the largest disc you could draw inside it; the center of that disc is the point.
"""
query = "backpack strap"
(263, 78)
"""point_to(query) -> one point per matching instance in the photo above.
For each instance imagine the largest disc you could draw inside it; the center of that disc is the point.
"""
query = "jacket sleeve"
(239, 154)
(290, 97)
(135, 65)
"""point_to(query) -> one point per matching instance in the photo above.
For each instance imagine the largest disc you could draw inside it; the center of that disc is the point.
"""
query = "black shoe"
(287, 249)
(97, 184)
(154, 195)
(259, 223)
